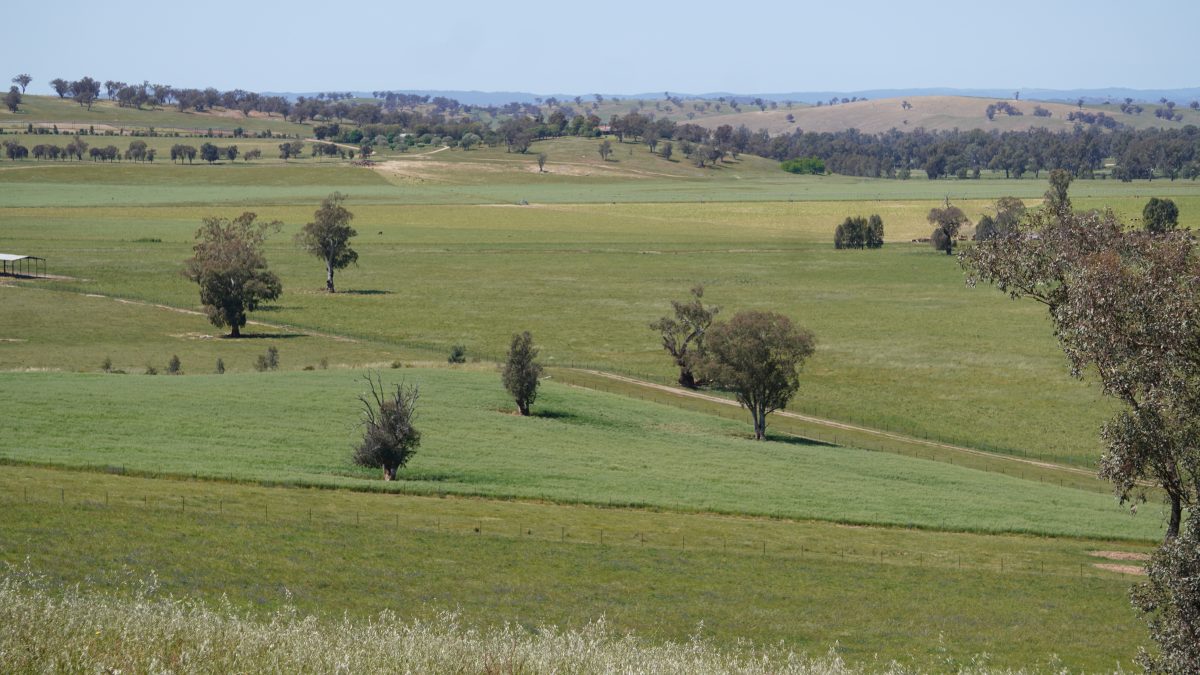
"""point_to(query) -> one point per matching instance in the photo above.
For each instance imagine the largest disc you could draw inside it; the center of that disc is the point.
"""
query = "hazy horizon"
(619, 47)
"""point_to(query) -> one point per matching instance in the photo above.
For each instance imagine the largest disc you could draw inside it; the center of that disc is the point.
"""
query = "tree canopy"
(1160, 215)
(328, 236)
(229, 266)
(1125, 305)
(683, 334)
(389, 437)
(757, 355)
(522, 371)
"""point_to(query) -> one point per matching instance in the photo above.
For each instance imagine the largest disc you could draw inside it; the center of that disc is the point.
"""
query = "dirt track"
(831, 424)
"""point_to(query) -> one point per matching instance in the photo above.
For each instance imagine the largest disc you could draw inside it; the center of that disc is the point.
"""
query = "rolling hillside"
(929, 112)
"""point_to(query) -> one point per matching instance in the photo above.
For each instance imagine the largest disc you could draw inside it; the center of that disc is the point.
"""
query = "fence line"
(682, 540)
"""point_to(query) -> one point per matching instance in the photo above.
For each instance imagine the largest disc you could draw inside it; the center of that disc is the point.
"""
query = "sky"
(615, 46)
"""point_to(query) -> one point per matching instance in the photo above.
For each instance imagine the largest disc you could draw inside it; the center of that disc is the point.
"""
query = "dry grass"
(42, 630)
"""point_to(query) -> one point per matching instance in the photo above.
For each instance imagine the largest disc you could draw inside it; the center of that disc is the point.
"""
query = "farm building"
(12, 264)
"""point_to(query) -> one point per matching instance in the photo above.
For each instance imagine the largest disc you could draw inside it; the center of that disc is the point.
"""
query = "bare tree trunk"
(760, 423)
(235, 331)
(1176, 517)
(686, 379)
(389, 472)
(329, 276)
(523, 407)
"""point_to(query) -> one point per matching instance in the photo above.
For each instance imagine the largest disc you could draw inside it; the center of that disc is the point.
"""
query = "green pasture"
(574, 175)
(582, 446)
(903, 344)
(926, 599)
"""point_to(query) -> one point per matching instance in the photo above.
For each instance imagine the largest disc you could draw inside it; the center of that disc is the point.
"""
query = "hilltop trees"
(328, 236)
(60, 86)
(522, 371)
(84, 91)
(13, 99)
(229, 266)
(23, 81)
(683, 334)
(389, 437)
(1160, 215)
(757, 355)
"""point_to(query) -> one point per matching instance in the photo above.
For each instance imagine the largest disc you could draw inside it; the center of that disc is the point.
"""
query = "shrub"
(267, 361)
(458, 354)
(220, 366)
(805, 165)
(174, 367)
(106, 365)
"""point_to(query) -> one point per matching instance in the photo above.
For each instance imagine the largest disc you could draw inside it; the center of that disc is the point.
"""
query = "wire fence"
(315, 515)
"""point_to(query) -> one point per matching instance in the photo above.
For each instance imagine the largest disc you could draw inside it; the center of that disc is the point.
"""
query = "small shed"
(12, 264)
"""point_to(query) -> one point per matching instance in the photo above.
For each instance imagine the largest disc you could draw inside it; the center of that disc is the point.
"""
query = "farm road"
(831, 424)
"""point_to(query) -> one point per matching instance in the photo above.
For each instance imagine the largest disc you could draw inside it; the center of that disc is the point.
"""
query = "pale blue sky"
(573, 47)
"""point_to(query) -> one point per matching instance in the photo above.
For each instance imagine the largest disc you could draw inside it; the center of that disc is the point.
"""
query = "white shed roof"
(10, 257)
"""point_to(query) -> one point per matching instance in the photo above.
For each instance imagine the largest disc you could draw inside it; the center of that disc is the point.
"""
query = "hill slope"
(929, 112)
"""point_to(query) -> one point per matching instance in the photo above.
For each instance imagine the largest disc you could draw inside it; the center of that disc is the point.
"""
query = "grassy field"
(903, 344)
(582, 446)
(924, 598)
(606, 502)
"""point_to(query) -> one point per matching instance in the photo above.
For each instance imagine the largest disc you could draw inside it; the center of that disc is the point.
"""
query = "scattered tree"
(541, 161)
(757, 355)
(605, 149)
(229, 266)
(947, 220)
(1125, 304)
(61, 87)
(683, 334)
(174, 366)
(389, 437)
(458, 354)
(859, 232)
(522, 371)
(328, 236)
(1160, 215)
(23, 80)
(666, 151)
(13, 99)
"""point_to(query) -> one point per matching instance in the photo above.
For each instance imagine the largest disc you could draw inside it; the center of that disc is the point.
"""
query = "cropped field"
(926, 599)
(582, 446)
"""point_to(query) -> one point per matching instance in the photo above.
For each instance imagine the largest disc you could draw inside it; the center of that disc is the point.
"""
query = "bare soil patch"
(1121, 569)
(1120, 555)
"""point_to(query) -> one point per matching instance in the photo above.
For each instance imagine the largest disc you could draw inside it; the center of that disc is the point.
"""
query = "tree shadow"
(556, 415)
(796, 440)
(264, 336)
(364, 291)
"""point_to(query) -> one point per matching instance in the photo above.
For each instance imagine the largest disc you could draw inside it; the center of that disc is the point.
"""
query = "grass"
(583, 446)
(902, 343)
(927, 599)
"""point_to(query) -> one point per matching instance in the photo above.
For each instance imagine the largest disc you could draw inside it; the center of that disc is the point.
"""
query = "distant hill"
(930, 112)
(1182, 95)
